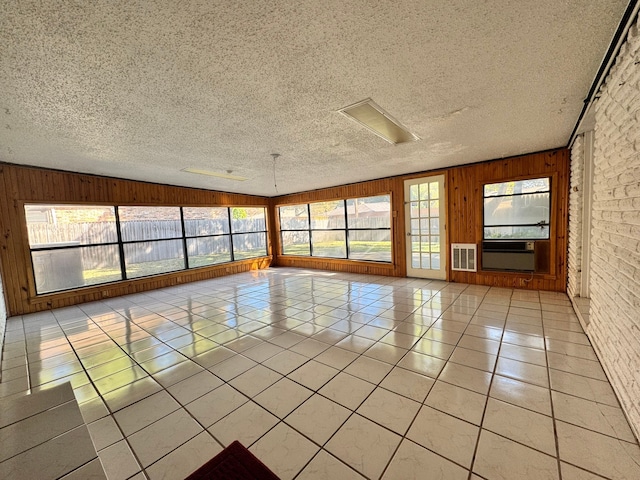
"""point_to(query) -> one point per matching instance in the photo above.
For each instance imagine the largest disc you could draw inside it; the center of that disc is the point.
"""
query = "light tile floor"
(326, 375)
(46, 428)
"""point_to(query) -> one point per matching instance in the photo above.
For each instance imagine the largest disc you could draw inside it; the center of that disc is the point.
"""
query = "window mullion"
(230, 234)
(123, 267)
(346, 228)
(310, 231)
(184, 239)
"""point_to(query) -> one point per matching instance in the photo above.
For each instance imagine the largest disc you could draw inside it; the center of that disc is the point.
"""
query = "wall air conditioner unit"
(464, 257)
(515, 255)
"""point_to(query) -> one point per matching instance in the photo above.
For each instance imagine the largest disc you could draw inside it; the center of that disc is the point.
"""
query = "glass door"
(425, 224)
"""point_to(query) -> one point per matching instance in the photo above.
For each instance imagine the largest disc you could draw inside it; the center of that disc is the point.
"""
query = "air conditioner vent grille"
(464, 257)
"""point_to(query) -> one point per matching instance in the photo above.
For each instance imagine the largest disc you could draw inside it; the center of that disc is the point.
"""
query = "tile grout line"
(551, 402)
(354, 411)
(404, 436)
(163, 388)
(309, 358)
(422, 404)
(486, 403)
(100, 394)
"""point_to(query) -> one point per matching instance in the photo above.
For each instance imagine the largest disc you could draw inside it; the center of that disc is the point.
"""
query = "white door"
(425, 225)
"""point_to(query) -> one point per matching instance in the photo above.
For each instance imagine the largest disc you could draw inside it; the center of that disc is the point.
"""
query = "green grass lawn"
(143, 269)
(434, 247)
(375, 251)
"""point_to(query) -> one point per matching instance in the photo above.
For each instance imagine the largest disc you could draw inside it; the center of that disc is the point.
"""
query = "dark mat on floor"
(233, 463)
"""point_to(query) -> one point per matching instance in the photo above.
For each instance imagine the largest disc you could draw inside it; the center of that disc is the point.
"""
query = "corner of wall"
(3, 322)
(576, 180)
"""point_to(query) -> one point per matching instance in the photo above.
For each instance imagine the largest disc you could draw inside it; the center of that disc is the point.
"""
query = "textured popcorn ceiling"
(141, 89)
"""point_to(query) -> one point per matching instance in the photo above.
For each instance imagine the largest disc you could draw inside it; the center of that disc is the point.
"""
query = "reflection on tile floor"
(326, 375)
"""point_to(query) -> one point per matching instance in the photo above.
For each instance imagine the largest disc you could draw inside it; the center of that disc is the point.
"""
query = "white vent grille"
(464, 257)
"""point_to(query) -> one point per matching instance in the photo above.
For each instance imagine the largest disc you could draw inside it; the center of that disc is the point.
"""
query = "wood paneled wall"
(464, 218)
(20, 185)
(465, 215)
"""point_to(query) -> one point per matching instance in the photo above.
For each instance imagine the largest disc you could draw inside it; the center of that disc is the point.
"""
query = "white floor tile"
(599, 417)
(410, 384)
(423, 364)
(158, 439)
(324, 466)
(214, 405)
(284, 451)
(311, 350)
(255, 380)
(466, 377)
(413, 461)
(283, 397)
(500, 458)
(524, 426)
(318, 418)
(365, 446)
(390, 410)
(368, 369)
(185, 459)
(313, 375)
(457, 401)
(598, 453)
(521, 394)
(186, 391)
(245, 424)
(446, 435)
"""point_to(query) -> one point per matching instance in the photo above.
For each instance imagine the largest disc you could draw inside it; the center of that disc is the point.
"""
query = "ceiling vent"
(371, 116)
(464, 257)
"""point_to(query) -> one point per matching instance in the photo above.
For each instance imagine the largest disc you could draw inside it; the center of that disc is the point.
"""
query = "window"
(328, 232)
(152, 240)
(294, 230)
(207, 232)
(356, 229)
(72, 246)
(517, 209)
(75, 246)
(248, 232)
(369, 226)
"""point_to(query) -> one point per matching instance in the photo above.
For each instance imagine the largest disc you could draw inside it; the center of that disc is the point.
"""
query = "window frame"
(120, 243)
(548, 223)
(342, 203)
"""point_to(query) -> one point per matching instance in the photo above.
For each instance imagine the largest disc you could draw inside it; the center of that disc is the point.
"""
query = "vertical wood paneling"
(398, 230)
(22, 185)
(9, 268)
(464, 187)
(464, 212)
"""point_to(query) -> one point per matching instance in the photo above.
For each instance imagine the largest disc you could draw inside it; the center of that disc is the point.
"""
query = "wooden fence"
(169, 232)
